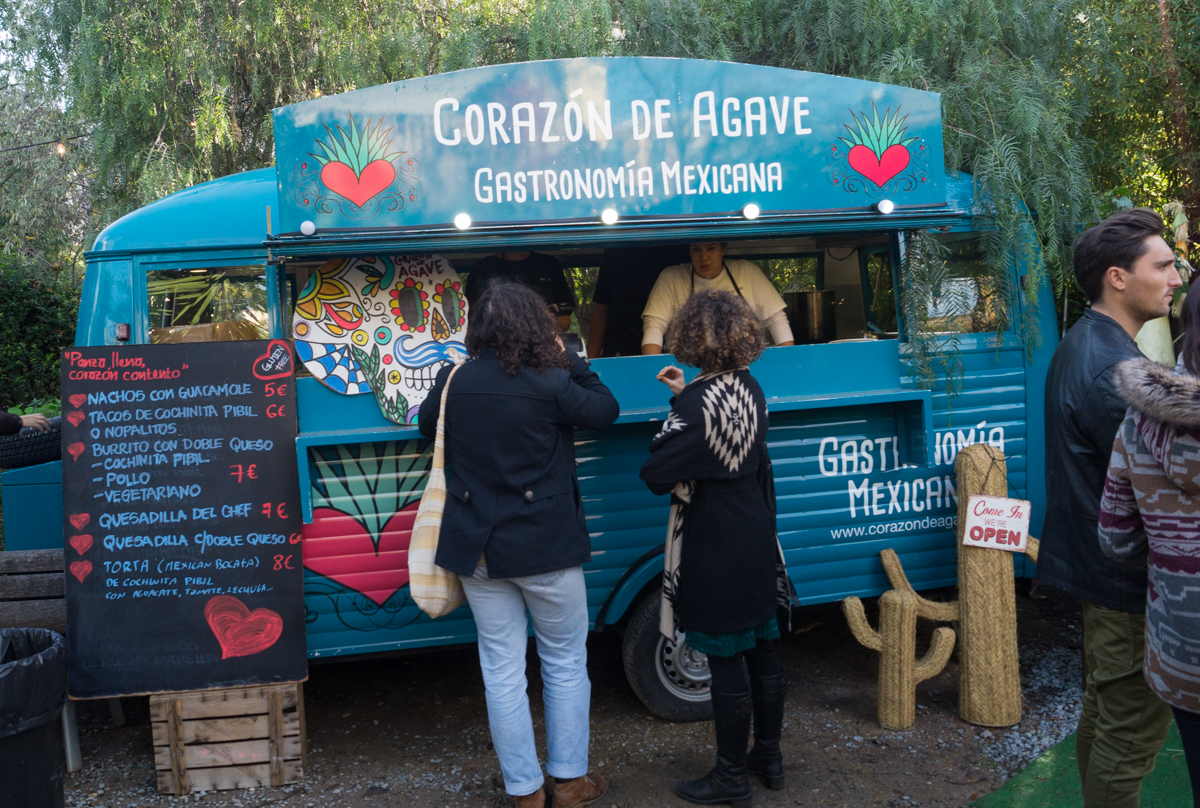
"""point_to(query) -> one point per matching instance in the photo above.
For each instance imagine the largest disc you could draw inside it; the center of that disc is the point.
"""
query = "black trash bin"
(33, 687)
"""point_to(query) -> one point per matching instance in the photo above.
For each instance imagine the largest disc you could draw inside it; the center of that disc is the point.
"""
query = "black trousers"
(1189, 732)
(729, 674)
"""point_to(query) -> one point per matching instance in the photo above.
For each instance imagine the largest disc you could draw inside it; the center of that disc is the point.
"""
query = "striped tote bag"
(435, 590)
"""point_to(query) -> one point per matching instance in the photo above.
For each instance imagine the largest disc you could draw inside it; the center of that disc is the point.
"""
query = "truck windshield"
(224, 304)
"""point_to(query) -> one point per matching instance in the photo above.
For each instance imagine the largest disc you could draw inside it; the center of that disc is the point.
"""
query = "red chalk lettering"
(275, 410)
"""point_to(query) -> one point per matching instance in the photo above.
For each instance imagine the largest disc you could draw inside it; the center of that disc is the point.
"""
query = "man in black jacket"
(1128, 273)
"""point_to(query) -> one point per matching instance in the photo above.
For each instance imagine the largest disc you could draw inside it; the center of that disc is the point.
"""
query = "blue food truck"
(356, 243)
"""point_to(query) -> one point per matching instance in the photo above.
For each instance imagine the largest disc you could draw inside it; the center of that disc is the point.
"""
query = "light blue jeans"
(557, 605)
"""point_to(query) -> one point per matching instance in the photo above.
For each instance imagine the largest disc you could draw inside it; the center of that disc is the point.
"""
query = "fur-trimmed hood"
(1165, 416)
(1160, 392)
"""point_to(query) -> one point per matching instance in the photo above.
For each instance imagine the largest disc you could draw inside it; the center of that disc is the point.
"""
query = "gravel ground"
(412, 731)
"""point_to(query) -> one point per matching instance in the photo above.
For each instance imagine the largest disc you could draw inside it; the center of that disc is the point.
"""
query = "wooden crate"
(31, 590)
(240, 737)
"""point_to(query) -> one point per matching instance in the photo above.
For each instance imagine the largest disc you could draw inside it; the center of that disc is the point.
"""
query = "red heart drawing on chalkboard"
(81, 542)
(80, 520)
(337, 546)
(78, 399)
(276, 362)
(76, 449)
(240, 631)
(81, 569)
(75, 417)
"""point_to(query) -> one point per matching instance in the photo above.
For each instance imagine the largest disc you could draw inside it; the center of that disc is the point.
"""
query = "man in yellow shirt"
(710, 269)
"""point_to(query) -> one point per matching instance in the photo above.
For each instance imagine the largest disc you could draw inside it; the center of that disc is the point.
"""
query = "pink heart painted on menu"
(79, 520)
(81, 569)
(76, 417)
(337, 546)
(78, 399)
(75, 449)
(82, 542)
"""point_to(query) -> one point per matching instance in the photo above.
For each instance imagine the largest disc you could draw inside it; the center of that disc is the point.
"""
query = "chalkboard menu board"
(181, 510)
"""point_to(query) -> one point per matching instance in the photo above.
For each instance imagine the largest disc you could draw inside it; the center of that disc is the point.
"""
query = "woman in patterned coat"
(724, 577)
(1150, 516)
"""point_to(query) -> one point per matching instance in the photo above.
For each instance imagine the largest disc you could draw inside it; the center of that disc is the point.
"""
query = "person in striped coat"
(1150, 517)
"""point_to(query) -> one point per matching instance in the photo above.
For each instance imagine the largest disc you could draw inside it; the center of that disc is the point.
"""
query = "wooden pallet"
(240, 737)
(32, 589)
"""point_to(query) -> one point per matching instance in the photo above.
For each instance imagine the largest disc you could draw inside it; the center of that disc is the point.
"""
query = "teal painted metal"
(227, 212)
(33, 510)
(556, 141)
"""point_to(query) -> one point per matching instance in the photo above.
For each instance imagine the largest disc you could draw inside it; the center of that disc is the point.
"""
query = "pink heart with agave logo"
(337, 546)
(359, 189)
(879, 169)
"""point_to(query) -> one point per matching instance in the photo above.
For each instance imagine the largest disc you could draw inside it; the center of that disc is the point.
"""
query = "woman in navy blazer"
(514, 530)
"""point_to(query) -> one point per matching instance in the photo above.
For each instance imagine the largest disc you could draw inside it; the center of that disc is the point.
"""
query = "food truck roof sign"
(567, 140)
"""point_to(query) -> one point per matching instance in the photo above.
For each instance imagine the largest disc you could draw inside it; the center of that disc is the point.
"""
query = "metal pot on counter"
(811, 316)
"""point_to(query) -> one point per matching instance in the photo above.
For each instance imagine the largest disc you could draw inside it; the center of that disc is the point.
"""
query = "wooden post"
(303, 726)
(275, 734)
(179, 782)
(990, 680)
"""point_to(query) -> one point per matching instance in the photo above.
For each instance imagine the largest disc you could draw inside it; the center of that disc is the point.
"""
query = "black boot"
(727, 782)
(765, 759)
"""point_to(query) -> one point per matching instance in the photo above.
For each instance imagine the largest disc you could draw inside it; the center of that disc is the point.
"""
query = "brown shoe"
(580, 791)
(535, 800)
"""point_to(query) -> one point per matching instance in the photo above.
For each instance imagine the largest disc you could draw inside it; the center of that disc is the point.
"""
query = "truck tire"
(30, 447)
(670, 678)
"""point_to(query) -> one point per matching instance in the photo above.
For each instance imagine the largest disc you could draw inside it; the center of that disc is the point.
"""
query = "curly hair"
(716, 331)
(512, 318)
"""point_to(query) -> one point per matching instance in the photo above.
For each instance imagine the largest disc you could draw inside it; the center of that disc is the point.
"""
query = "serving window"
(846, 283)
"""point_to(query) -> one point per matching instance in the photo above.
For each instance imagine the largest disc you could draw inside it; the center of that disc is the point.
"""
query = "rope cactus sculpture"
(989, 677)
(896, 642)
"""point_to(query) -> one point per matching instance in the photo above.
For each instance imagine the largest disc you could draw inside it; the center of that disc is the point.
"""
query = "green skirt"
(726, 645)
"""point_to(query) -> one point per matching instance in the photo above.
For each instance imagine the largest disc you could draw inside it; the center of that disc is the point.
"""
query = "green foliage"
(38, 321)
(49, 407)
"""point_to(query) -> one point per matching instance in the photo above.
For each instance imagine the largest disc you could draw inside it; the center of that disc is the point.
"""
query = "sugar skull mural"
(384, 325)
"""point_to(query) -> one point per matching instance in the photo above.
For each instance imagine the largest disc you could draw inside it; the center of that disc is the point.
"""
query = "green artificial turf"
(1052, 781)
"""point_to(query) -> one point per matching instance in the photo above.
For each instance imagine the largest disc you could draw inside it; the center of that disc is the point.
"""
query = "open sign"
(997, 522)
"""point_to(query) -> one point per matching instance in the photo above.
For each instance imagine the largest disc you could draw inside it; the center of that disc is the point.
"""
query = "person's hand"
(38, 421)
(561, 347)
(672, 377)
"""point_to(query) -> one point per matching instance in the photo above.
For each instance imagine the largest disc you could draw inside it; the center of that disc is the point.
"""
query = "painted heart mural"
(365, 500)
(382, 324)
(357, 169)
(339, 547)
(878, 151)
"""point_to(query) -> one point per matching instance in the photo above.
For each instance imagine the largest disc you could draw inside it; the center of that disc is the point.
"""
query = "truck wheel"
(30, 447)
(670, 678)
